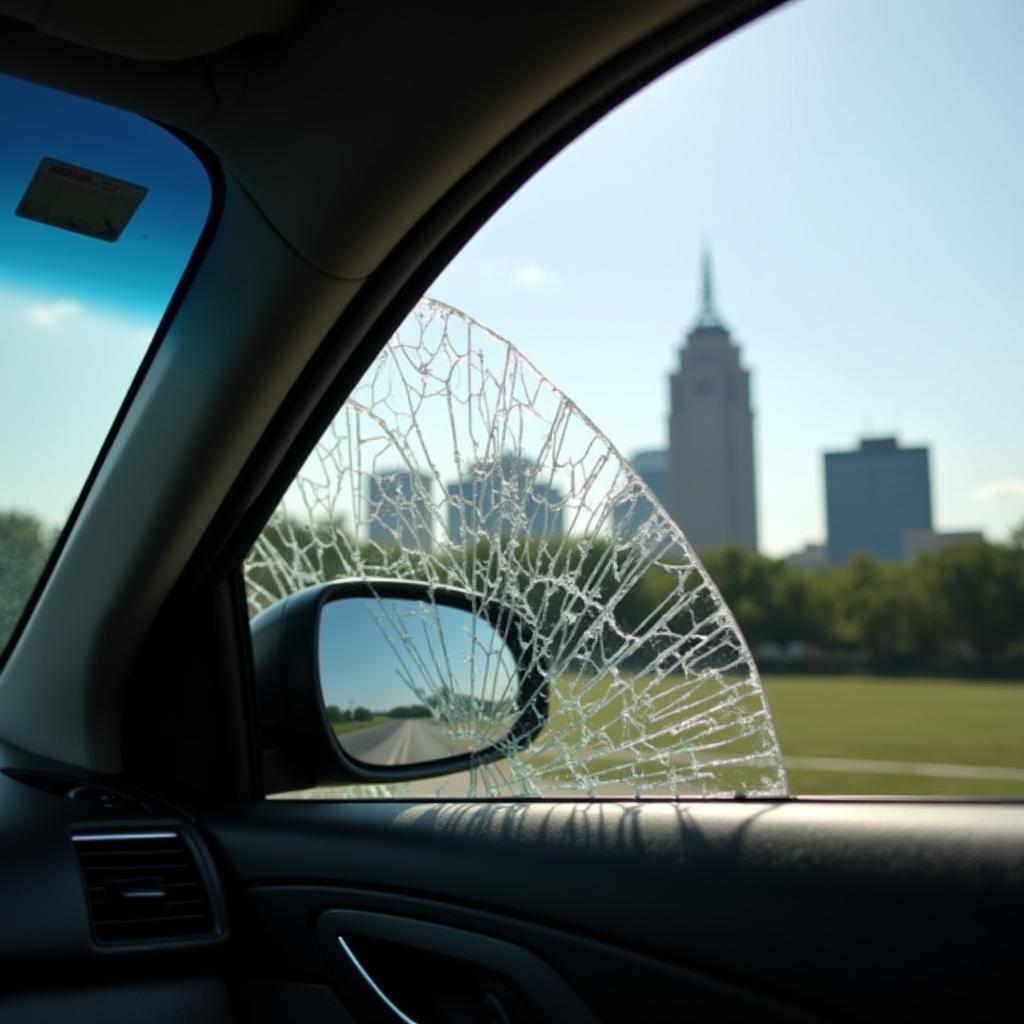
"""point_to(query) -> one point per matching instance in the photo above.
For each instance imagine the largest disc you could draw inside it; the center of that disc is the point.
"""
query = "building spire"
(708, 315)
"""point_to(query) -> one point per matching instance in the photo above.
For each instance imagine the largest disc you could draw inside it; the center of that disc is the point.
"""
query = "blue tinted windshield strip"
(156, 295)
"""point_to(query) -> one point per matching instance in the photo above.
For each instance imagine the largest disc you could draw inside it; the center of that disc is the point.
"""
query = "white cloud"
(50, 314)
(529, 275)
(1005, 487)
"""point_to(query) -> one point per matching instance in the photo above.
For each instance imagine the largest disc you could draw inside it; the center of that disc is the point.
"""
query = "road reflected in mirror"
(406, 681)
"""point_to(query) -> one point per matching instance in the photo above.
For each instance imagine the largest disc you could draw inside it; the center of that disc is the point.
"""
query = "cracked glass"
(456, 463)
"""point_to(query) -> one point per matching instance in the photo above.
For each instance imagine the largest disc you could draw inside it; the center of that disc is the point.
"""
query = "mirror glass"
(406, 681)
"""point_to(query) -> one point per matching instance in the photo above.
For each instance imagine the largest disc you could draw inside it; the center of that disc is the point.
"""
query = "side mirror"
(387, 681)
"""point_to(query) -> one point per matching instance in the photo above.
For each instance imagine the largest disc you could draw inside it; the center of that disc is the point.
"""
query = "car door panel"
(197, 1000)
(746, 910)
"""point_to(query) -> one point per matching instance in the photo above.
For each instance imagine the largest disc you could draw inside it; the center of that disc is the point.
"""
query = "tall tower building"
(711, 492)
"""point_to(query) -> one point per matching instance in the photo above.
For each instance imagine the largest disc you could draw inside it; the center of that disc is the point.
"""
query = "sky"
(855, 169)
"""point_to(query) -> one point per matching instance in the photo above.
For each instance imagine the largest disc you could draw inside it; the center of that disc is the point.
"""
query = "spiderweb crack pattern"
(456, 463)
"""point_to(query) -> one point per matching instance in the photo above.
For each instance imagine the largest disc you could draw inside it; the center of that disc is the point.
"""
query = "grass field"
(905, 732)
(915, 721)
(897, 736)
(343, 727)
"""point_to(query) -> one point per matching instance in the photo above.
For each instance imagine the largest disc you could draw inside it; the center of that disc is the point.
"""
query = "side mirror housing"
(384, 681)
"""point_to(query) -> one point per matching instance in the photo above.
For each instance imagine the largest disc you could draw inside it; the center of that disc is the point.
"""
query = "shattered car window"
(456, 463)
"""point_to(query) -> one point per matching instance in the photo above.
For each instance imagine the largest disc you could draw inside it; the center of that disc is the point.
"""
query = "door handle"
(380, 993)
(463, 975)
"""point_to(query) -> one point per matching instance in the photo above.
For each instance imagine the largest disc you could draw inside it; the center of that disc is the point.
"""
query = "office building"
(652, 467)
(925, 542)
(874, 495)
(400, 509)
(507, 496)
(809, 558)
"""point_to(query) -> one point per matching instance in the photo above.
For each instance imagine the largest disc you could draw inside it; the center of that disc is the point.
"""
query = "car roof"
(350, 120)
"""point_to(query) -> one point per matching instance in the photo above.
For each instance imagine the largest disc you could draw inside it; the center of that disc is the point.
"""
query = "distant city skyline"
(505, 495)
(878, 495)
(852, 167)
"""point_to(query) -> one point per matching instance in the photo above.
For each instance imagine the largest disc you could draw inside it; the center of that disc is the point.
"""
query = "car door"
(749, 904)
(709, 893)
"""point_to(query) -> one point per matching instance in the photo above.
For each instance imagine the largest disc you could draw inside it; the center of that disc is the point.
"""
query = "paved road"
(402, 741)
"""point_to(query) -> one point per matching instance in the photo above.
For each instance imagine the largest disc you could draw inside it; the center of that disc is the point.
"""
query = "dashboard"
(112, 905)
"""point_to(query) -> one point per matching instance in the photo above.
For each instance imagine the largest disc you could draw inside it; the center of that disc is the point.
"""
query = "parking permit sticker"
(65, 196)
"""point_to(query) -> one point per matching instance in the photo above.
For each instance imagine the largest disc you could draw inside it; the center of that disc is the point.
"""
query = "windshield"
(100, 212)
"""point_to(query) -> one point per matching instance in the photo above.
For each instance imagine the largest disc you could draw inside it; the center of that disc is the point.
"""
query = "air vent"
(143, 885)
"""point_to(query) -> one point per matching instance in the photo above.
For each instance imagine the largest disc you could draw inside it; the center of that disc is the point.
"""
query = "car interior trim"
(381, 994)
(103, 837)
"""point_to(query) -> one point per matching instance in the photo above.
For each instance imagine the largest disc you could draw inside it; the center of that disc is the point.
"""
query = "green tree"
(362, 714)
(1017, 537)
(409, 711)
(979, 592)
(772, 601)
(25, 545)
(878, 609)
